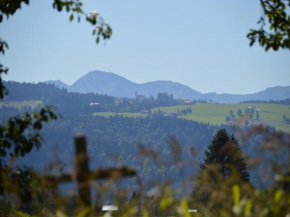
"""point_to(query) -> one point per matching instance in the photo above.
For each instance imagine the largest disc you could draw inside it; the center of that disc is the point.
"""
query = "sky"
(201, 44)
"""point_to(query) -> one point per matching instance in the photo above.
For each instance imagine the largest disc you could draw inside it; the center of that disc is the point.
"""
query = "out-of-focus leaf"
(236, 194)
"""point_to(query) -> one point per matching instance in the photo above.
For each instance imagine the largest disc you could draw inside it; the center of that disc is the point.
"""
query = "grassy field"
(270, 114)
(18, 105)
(131, 115)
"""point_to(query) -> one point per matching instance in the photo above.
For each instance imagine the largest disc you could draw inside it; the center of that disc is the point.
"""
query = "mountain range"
(118, 86)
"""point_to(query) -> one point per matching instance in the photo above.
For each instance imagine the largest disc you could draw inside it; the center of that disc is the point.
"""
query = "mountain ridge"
(118, 86)
(57, 83)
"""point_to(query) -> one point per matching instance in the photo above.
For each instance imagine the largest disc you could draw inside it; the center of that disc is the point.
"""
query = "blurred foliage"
(274, 15)
(3, 69)
(232, 197)
(22, 134)
(101, 29)
(9, 7)
(18, 138)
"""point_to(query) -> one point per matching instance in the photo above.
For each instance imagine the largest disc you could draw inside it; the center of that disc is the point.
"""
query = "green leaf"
(60, 214)
(236, 194)
(20, 213)
(278, 195)
(145, 213)
(248, 208)
(184, 206)
(84, 212)
(71, 17)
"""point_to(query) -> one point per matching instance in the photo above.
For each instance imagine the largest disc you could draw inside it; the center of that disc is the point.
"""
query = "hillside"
(270, 93)
(270, 114)
(118, 86)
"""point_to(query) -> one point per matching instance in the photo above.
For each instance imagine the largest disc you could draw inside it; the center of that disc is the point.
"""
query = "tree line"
(271, 101)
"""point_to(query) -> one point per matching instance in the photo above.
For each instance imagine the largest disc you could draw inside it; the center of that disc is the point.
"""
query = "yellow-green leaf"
(236, 194)
(248, 208)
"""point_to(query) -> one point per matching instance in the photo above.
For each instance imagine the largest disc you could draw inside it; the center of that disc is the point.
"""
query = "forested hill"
(73, 103)
(50, 93)
(114, 141)
(64, 101)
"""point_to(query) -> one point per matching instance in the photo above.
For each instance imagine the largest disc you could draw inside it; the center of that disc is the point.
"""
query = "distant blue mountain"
(104, 83)
(57, 83)
(118, 86)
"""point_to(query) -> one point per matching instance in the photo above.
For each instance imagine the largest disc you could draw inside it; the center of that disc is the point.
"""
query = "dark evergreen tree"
(257, 115)
(175, 147)
(228, 119)
(232, 115)
(239, 112)
(223, 161)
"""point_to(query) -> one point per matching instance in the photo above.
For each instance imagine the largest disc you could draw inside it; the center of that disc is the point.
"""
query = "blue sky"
(201, 44)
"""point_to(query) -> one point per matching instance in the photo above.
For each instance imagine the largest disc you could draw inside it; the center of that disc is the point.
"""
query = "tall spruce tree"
(223, 161)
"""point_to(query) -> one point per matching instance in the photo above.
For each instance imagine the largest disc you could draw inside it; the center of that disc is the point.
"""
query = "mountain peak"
(94, 72)
(104, 83)
(115, 85)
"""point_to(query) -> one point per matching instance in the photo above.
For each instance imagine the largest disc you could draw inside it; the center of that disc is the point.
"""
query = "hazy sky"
(201, 44)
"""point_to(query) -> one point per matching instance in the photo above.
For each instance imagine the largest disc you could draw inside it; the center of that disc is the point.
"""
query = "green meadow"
(32, 104)
(270, 114)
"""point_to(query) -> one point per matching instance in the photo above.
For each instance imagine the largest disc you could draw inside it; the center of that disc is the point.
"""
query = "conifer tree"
(223, 161)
